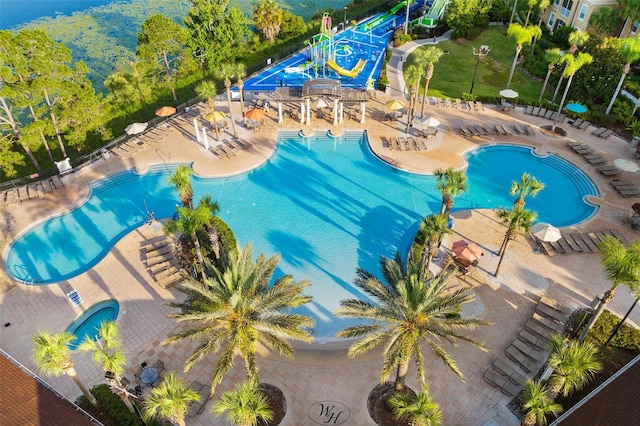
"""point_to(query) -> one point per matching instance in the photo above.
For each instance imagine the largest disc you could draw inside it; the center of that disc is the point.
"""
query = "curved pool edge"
(89, 313)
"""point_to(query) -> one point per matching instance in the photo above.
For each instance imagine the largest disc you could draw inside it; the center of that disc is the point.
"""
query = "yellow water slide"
(342, 71)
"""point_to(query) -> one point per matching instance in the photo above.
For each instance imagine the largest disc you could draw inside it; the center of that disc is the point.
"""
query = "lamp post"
(479, 54)
(344, 22)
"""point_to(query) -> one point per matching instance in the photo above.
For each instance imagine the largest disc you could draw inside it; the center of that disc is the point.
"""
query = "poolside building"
(577, 14)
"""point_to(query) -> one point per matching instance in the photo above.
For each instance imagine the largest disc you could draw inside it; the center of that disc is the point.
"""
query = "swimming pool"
(327, 205)
(89, 321)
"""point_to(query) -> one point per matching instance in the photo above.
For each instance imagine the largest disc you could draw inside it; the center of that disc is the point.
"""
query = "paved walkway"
(323, 372)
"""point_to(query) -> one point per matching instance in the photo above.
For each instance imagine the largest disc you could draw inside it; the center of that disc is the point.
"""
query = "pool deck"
(323, 372)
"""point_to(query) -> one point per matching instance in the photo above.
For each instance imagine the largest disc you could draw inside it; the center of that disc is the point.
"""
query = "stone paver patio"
(322, 372)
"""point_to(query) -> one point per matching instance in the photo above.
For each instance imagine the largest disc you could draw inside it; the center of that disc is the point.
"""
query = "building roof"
(26, 401)
(613, 403)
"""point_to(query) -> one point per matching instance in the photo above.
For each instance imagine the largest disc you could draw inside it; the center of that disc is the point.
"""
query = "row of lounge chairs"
(229, 147)
(497, 129)
(544, 113)
(134, 145)
(603, 132)
(408, 143)
(580, 242)
(31, 191)
(624, 188)
(161, 262)
(457, 103)
(529, 351)
(579, 123)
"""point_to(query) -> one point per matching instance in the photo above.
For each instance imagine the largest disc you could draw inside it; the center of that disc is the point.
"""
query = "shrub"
(112, 410)
(627, 337)
(227, 238)
(561, 36)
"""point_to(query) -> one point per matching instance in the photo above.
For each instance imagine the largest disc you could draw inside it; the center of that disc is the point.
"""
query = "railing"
(53, 390)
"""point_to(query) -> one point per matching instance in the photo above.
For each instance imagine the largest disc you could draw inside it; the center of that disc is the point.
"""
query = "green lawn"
(453, 73)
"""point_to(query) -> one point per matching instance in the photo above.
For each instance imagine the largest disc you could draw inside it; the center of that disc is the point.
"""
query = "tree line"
(49, 110)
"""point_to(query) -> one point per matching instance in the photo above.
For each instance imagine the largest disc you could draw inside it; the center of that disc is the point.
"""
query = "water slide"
(342, 71)
(430, 20)
(382, 18)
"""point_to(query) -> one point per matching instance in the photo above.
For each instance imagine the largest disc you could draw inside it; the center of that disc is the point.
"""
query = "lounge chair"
(529, 130)
(542, 112)
(496, 379)
(632, 192)
(402, 144)
(621, 183)
(474, 130)
(518, 129)
(536, 111)
(599, 131)
(244, 143)
(606, 171)
(480, 130)
(606, 134)
(411, 143)
(575, 123)
(479, 106)
(585, 150)
(584, 125)
(528, 110)
(500, 130)
(548, 114)
(596, 159)
(218, 152)
(465, 131)
(508, 371)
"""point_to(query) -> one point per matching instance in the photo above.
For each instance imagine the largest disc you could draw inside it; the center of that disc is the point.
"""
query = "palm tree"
(630, 12)
(240, 72)
(406, 17)
(451, 182)
(408, 310)
(107, 352)
(214, 237)
(629, 50)
(531, 4)
(418, 410)
(426, 58)
(622, 264)
(51, 355)
(433, 228)
(226, 71)
(573, 65)
(189, 222)
(236, 308)
(542, 6)
(528, 185)
(207, 91)
(573, 363)
(517, 220)
(576, 39)
(522, 35)
(246, 404)
(180, 179)
(412, 76)
(537, 404)
(170, 400)
(605, 20)
(552, 56)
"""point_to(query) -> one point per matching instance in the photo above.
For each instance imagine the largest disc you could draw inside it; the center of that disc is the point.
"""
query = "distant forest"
(105, 37)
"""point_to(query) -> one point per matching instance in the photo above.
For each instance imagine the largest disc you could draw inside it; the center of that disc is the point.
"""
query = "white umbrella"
(429, 121)
(135, 128)
(545, 232)
(626, 165)
(509, 93)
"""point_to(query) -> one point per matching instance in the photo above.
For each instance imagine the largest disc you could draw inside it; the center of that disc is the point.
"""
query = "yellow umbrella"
(394, 105)
(215, 116)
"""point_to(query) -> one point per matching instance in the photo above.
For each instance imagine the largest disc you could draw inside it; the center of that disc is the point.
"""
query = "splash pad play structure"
(353, 56)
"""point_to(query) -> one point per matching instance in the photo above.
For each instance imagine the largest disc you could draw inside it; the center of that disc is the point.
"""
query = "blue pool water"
(88, 322)
(326, 205)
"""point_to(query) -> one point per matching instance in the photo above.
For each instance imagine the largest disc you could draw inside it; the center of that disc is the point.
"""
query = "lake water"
(18, 12)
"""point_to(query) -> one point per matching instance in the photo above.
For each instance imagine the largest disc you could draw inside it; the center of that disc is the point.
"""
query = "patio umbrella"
(545, 232)
(429, 121)
(626, 165)
(320, 103)
(255, 114)
(165, 111)
(466, 250)
(135, 128)
(509, 93)
(215, 116)
(576, 108)
(394, 105)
